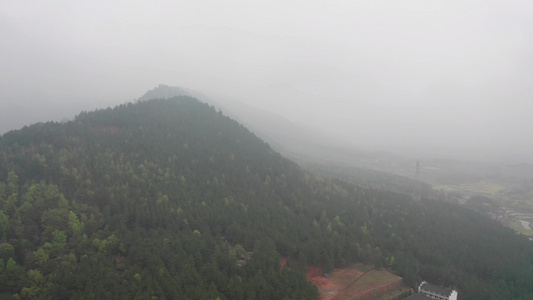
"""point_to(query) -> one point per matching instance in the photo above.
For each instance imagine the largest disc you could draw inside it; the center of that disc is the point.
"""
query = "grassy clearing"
(517, 226)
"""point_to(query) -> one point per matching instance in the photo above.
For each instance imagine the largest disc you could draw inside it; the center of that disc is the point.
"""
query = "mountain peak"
(163, 91)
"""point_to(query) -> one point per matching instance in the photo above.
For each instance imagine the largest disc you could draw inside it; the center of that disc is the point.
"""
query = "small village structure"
(430, 291)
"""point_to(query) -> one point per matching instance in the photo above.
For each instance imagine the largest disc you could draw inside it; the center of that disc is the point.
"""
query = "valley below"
(502, 191)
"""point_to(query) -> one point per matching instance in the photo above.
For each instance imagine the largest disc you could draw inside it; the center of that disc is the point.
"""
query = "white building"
(436, 292)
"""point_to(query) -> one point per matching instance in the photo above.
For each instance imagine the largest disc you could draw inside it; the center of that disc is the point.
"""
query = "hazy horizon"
(433, 78)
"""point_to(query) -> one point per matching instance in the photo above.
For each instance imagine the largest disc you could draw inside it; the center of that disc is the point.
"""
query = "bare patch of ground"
(355, 283)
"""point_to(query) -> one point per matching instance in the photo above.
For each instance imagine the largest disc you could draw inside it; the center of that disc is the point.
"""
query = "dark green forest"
(158, 200)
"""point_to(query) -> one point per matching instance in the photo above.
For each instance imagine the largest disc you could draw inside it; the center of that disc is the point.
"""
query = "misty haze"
(274, 150)
(435, 78)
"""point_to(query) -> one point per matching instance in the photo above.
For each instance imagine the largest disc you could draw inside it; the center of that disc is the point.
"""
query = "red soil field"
(353, 283)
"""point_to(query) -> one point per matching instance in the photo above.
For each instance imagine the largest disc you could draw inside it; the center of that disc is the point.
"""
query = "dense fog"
(428, 78)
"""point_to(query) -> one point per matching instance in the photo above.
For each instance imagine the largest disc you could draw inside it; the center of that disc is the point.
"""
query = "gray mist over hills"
(424, 78)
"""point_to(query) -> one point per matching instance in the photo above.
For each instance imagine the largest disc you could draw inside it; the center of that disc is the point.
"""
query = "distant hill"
(307, 146)
(170, 197)
(279, 132)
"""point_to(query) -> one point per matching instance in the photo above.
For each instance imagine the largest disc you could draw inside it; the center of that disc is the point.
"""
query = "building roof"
(435, 289)
(417, 297)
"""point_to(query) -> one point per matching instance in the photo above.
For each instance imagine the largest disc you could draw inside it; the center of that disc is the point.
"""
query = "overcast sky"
(438, 77)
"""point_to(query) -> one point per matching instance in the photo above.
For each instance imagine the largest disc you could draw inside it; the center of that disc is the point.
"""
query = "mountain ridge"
(138, 199)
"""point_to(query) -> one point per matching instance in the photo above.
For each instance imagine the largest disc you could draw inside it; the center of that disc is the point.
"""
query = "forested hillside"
(158, 199)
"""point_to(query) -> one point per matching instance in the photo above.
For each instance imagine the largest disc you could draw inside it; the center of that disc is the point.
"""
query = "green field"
(510, 195)
(484, 187)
